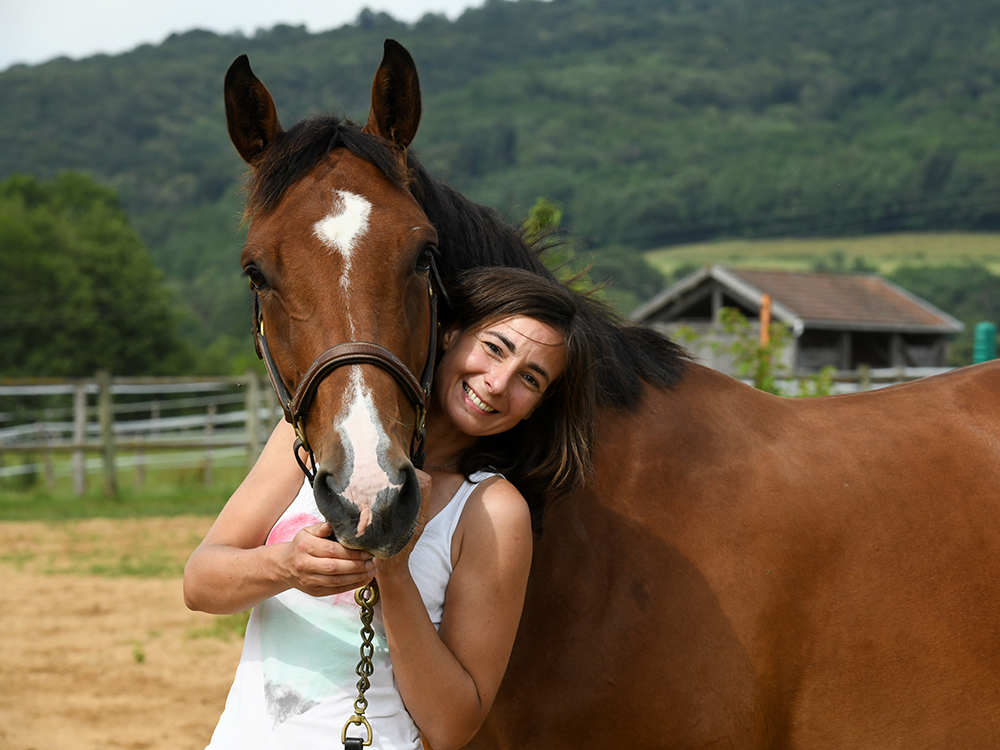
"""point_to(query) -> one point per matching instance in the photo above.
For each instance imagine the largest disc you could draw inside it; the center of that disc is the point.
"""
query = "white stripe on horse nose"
(362, 430)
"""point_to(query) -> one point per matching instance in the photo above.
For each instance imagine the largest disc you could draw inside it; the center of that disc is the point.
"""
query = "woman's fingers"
(316, 541)
(321, 567)
(328, 585)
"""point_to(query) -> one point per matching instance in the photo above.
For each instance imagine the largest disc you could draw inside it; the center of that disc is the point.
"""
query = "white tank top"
(295, 685)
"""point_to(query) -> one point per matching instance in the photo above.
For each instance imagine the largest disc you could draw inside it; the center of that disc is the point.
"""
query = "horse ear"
(250, 113)
(395, 112)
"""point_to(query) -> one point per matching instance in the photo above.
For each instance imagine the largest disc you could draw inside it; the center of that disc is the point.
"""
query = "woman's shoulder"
(494, 532)
(496, 506)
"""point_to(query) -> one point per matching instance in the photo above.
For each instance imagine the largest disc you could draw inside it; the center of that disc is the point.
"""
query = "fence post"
(140, 464)
(253, 418)
(79, 437)
(864, 377)
(209, 432)
(271, 401)
(105, 409)
(48, 469)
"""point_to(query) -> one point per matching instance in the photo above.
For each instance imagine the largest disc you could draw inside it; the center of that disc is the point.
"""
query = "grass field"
(885, 252)
(164, 492)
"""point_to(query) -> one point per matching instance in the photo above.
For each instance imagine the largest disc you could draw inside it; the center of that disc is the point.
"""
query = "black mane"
(469, 236)
(294, 152)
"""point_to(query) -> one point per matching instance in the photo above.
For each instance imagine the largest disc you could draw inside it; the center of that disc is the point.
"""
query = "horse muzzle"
(377, 515)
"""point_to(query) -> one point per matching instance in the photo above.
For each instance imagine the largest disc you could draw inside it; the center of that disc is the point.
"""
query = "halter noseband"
(296, 405)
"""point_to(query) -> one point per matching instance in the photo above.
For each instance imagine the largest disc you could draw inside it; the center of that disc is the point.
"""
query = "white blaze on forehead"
(341, 229)
(346, 223)
(362, 432)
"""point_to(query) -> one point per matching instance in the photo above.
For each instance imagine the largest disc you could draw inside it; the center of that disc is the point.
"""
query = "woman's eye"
(532, 380)
(492, 347)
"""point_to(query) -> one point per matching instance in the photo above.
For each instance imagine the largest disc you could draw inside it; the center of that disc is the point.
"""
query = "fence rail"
(869, 378)
(200, 422)
(128, 421)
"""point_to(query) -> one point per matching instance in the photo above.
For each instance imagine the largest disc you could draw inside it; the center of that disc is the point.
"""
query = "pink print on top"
(287, 528)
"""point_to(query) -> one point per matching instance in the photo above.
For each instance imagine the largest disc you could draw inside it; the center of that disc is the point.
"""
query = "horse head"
(338, 255)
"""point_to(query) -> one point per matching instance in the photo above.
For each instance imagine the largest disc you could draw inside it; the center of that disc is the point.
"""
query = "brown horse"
(743, 571)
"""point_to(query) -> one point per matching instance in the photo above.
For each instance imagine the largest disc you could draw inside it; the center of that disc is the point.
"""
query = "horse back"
(750, 571)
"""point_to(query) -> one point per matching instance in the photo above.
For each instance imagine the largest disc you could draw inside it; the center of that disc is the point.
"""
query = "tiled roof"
(869, 300)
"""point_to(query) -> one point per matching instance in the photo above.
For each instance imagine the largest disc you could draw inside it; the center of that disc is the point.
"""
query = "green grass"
(224, 627)
(165, 492)
(886, 252)
(150, 564)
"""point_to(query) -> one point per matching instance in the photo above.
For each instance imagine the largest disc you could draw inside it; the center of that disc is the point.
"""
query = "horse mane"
(469, 236)
(294, 152)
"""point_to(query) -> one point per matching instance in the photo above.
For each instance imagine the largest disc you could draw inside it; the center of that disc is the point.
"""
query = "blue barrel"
(985, 347)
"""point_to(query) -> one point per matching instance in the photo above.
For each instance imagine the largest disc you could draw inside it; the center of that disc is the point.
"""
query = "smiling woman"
(519, 349)
(518, 325)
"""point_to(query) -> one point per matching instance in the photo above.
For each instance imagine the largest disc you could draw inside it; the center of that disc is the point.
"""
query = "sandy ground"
(97, 649)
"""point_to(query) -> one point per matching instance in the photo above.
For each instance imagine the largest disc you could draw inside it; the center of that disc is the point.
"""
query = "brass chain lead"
(366, 598)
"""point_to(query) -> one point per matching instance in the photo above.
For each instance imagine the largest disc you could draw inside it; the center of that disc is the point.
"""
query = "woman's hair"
(548, 455)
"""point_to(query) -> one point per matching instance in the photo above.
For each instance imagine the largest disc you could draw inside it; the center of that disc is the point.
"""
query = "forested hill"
(649, 121)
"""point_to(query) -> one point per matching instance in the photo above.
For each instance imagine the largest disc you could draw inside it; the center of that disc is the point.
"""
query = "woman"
(519, 351)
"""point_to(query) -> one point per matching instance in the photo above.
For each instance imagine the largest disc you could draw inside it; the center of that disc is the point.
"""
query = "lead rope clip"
(366, 598)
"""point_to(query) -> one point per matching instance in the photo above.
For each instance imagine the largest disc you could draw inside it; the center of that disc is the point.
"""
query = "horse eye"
(256, 278)
(424, 260)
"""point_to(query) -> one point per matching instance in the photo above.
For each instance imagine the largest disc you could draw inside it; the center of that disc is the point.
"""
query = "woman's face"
(490, 379)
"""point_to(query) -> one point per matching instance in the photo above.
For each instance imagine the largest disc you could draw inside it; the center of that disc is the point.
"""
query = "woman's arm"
(232, 569)
(448, 681)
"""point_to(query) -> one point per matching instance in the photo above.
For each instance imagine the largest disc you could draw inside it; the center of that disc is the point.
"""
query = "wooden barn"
(846, 321)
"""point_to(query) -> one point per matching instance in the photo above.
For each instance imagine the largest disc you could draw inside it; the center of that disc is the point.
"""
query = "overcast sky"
(33, 31)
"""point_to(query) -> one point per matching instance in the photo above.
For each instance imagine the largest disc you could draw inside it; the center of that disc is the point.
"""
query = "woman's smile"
(479, 403)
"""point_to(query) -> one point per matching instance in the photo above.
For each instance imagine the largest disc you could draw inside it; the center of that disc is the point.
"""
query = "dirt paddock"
(97, 649)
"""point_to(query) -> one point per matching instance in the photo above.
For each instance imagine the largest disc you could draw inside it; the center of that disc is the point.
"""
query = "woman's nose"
(497, 379)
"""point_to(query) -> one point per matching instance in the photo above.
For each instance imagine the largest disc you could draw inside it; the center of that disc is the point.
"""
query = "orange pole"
(765, 319)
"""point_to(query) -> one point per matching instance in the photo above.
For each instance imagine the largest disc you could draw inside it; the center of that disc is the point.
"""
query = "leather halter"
(295, 406)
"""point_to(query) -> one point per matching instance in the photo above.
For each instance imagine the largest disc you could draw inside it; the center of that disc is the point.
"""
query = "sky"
(34, 31)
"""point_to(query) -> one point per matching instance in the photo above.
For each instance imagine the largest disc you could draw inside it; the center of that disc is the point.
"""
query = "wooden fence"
(870, 378)
(106, 423)
(198, 422)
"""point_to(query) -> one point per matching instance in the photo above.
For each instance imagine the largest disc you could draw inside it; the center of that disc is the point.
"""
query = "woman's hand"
(401, 559)
(315, 564)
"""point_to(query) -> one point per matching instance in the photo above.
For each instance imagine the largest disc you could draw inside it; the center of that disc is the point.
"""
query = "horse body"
(753, 572)
(742, 571)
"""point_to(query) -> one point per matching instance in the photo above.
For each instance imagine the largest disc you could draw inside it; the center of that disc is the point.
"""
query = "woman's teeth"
(476, 400)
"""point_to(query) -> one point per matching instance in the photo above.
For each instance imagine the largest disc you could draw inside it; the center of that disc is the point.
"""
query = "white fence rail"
(106, 424)
(867, 378)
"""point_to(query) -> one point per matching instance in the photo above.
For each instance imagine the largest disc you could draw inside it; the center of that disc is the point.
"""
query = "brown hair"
(549, 454)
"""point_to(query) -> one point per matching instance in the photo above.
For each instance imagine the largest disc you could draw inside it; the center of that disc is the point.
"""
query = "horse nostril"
(383, 523)
(330, 502)
(398, 511)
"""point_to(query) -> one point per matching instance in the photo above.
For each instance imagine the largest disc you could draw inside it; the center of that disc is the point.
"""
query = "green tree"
(81, 292)
(543, 227)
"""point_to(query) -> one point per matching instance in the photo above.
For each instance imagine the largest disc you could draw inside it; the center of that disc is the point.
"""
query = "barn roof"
(811, 300)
